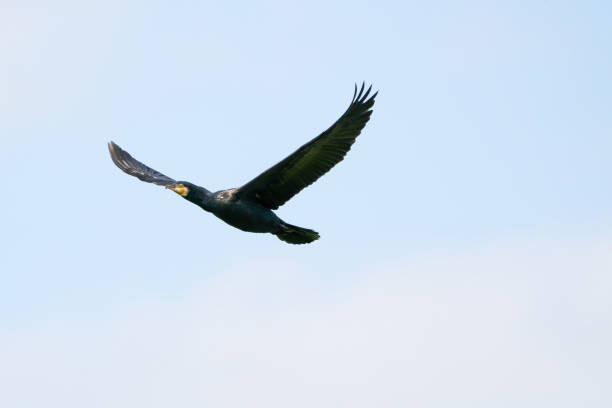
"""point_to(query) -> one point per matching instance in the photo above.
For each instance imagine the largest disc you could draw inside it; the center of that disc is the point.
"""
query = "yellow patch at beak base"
(179, 189)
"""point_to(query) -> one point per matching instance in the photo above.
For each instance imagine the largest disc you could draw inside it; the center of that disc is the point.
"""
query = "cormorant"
(249, 207)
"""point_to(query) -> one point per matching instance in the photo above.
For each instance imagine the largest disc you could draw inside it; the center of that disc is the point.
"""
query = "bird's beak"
(178, 189)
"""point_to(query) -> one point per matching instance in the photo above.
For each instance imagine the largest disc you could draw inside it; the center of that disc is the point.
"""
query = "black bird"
(249, 207)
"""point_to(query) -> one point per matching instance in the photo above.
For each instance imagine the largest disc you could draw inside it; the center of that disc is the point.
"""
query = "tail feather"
(296, 235)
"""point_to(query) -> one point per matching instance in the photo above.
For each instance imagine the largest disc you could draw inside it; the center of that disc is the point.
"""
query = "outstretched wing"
(133, 167)
(278, 184)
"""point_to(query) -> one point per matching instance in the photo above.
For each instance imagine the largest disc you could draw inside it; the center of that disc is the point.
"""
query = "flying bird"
(249, 207)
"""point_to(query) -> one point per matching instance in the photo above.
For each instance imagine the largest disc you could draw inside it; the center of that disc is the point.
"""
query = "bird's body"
(243, 214)
(249, 208)
(246, 215)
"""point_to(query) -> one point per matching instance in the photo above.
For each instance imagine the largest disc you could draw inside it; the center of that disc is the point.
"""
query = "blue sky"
(465, 243)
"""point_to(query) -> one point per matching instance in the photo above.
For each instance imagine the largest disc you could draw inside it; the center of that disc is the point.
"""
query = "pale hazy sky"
(465, 257)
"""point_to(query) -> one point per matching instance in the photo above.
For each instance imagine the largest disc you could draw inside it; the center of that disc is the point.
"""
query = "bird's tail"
(296, 235)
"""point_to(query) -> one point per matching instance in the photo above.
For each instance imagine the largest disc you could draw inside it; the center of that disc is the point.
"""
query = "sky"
(465, 254)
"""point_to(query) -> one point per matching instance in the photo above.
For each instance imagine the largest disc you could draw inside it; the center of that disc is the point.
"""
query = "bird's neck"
(201, 197)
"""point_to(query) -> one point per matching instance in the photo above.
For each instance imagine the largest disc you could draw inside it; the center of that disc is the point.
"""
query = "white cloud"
(499, 326)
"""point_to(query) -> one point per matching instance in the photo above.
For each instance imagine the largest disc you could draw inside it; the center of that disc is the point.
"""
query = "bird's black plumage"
(249, 207)
(275, 186)
(133, 167)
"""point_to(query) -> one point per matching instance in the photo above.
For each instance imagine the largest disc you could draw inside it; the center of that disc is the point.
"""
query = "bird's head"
(181, 188)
